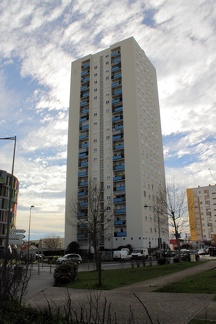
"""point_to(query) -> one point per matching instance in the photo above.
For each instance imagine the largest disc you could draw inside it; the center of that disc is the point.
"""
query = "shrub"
(162, 261)
(65, 273)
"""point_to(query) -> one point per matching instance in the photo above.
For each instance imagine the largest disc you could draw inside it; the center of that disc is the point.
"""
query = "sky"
(38, 41)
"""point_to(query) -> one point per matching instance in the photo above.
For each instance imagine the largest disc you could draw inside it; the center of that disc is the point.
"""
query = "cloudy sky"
(38, 41)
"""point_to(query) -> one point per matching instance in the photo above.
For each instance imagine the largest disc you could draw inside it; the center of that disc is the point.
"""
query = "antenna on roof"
(212, 174)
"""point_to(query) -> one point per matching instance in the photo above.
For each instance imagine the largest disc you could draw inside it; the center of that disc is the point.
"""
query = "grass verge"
(121, 277)
(202, 283)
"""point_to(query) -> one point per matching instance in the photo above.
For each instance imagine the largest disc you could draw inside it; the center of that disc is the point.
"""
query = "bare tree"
(53, 242)
(171, 202)
(94, 221)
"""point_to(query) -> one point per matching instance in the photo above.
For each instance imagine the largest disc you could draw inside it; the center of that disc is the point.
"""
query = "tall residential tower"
(115, 141)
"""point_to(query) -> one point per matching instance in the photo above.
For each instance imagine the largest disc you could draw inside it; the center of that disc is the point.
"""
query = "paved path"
(163, 308)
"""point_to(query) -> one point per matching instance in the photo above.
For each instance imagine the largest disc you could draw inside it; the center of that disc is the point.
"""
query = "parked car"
(186, 255)
(69, 257)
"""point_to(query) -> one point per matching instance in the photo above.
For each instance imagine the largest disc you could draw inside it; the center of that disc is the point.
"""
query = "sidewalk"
(164, 308)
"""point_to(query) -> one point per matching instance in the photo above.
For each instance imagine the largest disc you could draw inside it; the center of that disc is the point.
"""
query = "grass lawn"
(202, 283)
(121, 277)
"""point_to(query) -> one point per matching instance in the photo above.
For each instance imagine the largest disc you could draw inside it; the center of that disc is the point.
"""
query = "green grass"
(202, 283)
(121, 277)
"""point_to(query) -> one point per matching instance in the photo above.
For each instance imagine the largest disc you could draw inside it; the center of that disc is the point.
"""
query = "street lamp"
(29, 230)
(13, 138)
(159, 236)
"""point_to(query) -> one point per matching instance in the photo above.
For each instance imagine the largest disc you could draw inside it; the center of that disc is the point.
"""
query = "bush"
(162, 261)
(65, 273)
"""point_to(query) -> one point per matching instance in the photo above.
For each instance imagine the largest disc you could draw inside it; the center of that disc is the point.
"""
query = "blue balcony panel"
(83, 119)
(83, 203)
(83, 103)
(117, 178)
(85, 80)
(121, 234)
(118, 109)
(85, 65)
(118, 147)
(116, 84)
(84, 111)
(116, 118)
(117, 92)
(116, 76)
(116, 200)
(120, 188)
(119, 167)
(85, 87)
(84, 164)
(83, 184)
(116, 60)
(84, 145)
(82, 174)
(116, 137)
(119, 127)
(84, 72)
(83, 136)
(116, 100)
(119, 222)
(82, 236)
(83, 154)
(85, 95)
(116, 68)
(115, 53)
(117, 157)
(80, 194)
(120, 211)
(85, 127)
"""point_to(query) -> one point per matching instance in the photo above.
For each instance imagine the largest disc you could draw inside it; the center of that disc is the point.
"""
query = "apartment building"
(6, 182)
(202, 213)
(115, 141)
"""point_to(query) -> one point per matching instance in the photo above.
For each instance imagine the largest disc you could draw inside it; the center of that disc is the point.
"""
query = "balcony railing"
(120, 234)
(120, 211)
(117, 109)
(82, 174)
(116, 76)
(119, 167)
(113, 54)
(120, 188)
(117, 137)
(83, 136)
(83, 184)
(82, 193)
(83, 154)
(118, 147)
(118, 157)
(84, 164)
(119, 222)
(120, 199)
(84, 72)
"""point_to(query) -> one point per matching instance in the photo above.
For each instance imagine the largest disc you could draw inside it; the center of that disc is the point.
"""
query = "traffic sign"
(17, 242)
(19, 231)
(16, 236)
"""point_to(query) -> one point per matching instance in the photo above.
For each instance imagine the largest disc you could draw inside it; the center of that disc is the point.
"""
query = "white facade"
(115, 140)
(202, 213)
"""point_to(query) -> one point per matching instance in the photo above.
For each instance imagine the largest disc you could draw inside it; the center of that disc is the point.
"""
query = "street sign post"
(16, 236)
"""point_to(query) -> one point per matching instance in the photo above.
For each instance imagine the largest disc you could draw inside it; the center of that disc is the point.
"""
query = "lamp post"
(159, 235)
(29, 231)
(13, 138)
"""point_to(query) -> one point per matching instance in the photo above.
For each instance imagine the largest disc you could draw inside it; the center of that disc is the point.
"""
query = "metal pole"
(10, 200)
(29, 232)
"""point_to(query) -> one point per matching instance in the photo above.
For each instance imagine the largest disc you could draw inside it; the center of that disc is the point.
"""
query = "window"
(95, 114)
(95, 149)
(95, 140)
(95, 89)
(108, 197)
(107, 78)
(107, 110)
(95, 74)
(95, 158)
(107, 62)
(95, 82)
(107, 137)
(95, 67)
(107, 101)
(95, 97)
(108, 186)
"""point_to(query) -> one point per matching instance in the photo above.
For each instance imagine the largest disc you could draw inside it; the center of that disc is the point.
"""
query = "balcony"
(85, 94)
(118, 109)
(116, 84)
(82, 235)
(84, 80)
(118, 178)
(120, 188)
(82, 193)
(116, 68)
(85, 65)
(83, 184)
(120, 211)
(119, 199)
(83, 137)
(119, 167)
(117, 92)
(85, 127)
(119, 222)
(116, 60)
(83, 203)
(118, 147)
(84, 111)
(117, 137)
(116, 76)
(84, 72)
(118, 127)
(83, 154)
(117, 118)
(84, 145)
(120, 234)
(83, 164)
(82, 174)
(113, 54)
(118, 157)
(84, 103)
(85, 87)
(82, 119)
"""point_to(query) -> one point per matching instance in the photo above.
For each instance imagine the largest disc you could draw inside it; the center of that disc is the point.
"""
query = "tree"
(94, 222)
(53, 242)
(172, 202)
(73, 247)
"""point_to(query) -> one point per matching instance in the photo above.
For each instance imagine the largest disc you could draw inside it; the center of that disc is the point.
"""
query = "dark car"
(70, 257)
(186, 255)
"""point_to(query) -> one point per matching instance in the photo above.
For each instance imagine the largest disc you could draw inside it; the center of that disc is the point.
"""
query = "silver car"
(70, 257)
